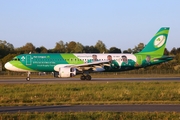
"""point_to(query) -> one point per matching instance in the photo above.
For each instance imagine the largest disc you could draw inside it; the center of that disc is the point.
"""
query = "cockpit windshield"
(15, 59)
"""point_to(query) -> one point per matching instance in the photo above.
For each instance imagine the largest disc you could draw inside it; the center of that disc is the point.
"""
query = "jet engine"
(65, 72)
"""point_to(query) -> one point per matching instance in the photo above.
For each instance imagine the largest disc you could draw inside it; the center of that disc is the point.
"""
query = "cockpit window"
(15, 59)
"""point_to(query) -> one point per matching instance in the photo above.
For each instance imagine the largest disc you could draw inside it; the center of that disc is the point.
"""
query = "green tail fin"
(157, 44)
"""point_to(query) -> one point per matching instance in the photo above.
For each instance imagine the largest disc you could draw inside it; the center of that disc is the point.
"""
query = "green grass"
(90, 93)
(91, 116)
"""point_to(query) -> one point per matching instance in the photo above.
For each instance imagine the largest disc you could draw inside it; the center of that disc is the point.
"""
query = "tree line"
(8, 51)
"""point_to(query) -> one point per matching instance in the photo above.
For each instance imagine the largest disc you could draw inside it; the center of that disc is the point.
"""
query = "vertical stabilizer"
(158, 43)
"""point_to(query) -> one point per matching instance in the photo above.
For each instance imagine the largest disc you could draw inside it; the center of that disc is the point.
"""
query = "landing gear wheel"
(88, 77)
(83, 77)
(28, 78)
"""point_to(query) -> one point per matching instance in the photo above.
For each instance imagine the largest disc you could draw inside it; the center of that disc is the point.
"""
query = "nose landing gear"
(28, 76)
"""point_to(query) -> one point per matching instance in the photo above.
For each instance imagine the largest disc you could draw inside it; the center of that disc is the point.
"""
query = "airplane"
(65, 65)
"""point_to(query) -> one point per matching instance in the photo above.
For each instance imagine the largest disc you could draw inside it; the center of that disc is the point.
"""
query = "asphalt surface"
(67, 80)
(85, 108)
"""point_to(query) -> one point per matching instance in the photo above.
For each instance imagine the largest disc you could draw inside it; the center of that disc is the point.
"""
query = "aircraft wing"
(97, 63)
(91, 66)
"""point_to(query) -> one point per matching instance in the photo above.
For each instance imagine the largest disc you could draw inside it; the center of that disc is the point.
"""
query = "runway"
(68, 80)
(85, 108)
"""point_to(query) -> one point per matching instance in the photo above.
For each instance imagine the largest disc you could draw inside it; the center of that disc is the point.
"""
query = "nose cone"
(12, 67)
(8, 66)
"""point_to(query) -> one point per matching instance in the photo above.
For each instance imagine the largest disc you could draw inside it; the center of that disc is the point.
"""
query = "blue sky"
(119, 23)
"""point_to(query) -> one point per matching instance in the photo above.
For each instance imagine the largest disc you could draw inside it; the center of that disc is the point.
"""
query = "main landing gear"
(28, 76)
(85, 77)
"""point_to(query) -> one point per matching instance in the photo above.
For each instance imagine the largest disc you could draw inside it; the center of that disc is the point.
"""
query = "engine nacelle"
(66, 72)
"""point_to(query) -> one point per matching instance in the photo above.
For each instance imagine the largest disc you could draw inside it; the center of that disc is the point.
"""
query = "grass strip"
(90, 93)
(91, 116)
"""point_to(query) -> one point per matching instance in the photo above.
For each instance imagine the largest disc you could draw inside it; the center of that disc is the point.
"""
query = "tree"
(173, 51)
(27, 48)
(138, 48)
(78, 48)
(5, 48)
(100, 46)
(41, 49)
(125, 51)
(166, 52)
(90, 49)
(178, 50)
(128, 51)
(60, 47)
(114, 50)
(38, 50)
(1, 65)
(70, 47)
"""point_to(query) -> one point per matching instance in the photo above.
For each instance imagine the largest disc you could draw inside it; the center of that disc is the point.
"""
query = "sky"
(118, 23)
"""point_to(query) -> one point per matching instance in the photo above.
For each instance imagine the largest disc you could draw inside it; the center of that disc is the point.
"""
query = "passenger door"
(28, 60)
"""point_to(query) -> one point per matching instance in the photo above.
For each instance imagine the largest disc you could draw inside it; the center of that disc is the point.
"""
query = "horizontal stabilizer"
(164, 58)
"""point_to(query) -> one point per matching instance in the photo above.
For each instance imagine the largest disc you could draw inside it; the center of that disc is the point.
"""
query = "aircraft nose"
(8, 66)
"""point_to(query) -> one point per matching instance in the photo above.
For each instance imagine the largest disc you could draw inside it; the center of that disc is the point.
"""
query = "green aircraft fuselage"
(152, 54)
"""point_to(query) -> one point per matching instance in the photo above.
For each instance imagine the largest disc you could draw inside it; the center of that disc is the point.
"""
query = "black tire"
(88, 77)
(28, 78)
(83, 77)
